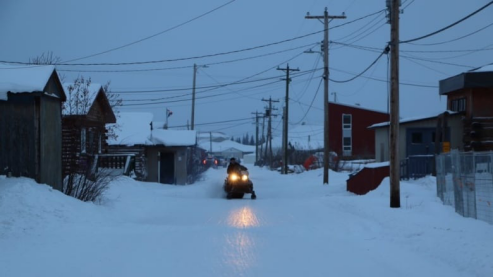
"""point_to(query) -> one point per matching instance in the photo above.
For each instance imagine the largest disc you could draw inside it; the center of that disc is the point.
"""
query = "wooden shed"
(31, 122)
(161, 155)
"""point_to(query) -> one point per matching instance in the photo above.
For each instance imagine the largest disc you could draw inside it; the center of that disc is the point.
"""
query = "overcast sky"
(151, 31)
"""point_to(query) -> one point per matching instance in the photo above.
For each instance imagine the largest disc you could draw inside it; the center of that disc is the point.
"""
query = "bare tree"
(115, 101)
(78, 101)
(47, 58)
(79, 98)
(87, 188)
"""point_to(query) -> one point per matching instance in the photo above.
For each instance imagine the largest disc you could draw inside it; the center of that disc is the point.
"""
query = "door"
(167, 167)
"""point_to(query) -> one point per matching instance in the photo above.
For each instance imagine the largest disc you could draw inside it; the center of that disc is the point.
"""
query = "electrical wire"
(311, 104)
(187, 67)
(455, 39)
(449, 26)
(152, 36)
(178, 59)
(385, 51)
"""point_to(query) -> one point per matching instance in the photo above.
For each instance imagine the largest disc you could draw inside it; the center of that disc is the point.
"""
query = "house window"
(346, 121)
(458, 105)
(83, 140)
(346, 134)
(417, 138)
(346, 146)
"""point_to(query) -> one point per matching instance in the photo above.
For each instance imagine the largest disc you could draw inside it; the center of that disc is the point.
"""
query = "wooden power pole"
(269, 114)
(256, 135)
(326, 18)
(195, 67)
(395, 201)
(284, 169)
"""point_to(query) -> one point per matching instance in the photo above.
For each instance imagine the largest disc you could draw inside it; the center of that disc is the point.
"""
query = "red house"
(349, 135)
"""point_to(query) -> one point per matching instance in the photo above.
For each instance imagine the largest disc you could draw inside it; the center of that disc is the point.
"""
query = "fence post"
(456, 167)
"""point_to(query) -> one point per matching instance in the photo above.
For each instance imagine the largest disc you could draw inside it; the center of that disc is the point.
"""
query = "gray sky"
(76, 29)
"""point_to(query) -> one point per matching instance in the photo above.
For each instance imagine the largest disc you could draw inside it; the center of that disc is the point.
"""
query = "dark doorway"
(167, 169)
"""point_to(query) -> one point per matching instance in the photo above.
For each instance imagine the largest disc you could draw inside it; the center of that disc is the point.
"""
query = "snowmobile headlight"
(234, 177)
(244, 177)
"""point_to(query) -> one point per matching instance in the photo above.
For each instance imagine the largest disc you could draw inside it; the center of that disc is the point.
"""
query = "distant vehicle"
(208, 161)
(220, 161)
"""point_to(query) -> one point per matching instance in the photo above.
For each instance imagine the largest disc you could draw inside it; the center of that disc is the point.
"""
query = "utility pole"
(285, 129)
(268, 113)
(195, 67)
(326, 18)
(256, 136)
(395, 201)
(210, 141)
(263, 136)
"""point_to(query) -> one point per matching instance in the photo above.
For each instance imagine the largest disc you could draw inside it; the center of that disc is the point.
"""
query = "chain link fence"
(465, 181)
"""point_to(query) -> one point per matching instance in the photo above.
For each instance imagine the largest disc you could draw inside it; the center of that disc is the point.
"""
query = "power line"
(358, 19)
(187, 67)
(179, 59)
(385, 81)
(374, 49)
(210, 86)
(456, 39)
(212, 123)
(311, 104)
(152, 36)
(449, 26)
(425, 66)
(385, 51)
(166, 99)
(203, 97)
(356, 32)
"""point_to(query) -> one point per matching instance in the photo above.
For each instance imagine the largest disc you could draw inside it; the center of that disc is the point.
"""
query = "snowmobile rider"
(234, 166)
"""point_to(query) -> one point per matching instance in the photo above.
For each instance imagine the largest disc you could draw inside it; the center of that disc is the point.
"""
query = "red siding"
(367, 179)
(363, 139)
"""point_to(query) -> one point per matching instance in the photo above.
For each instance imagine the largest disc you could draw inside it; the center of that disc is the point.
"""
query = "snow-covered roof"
(411, 119)
(134, 129)
(80, 103)
(172, 138)
(23, 79)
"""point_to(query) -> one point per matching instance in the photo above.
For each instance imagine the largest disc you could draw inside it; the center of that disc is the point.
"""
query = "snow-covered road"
(296, 227)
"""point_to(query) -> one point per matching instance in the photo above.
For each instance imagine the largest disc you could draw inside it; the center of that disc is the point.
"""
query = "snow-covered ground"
(296, 227)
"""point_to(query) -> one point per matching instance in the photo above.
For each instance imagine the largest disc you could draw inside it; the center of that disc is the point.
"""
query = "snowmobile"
(238, 183)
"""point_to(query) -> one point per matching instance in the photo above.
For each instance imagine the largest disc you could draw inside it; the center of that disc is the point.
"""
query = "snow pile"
(296, 227)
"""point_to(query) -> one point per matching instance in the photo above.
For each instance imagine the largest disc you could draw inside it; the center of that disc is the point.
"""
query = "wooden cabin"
(86, 113)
